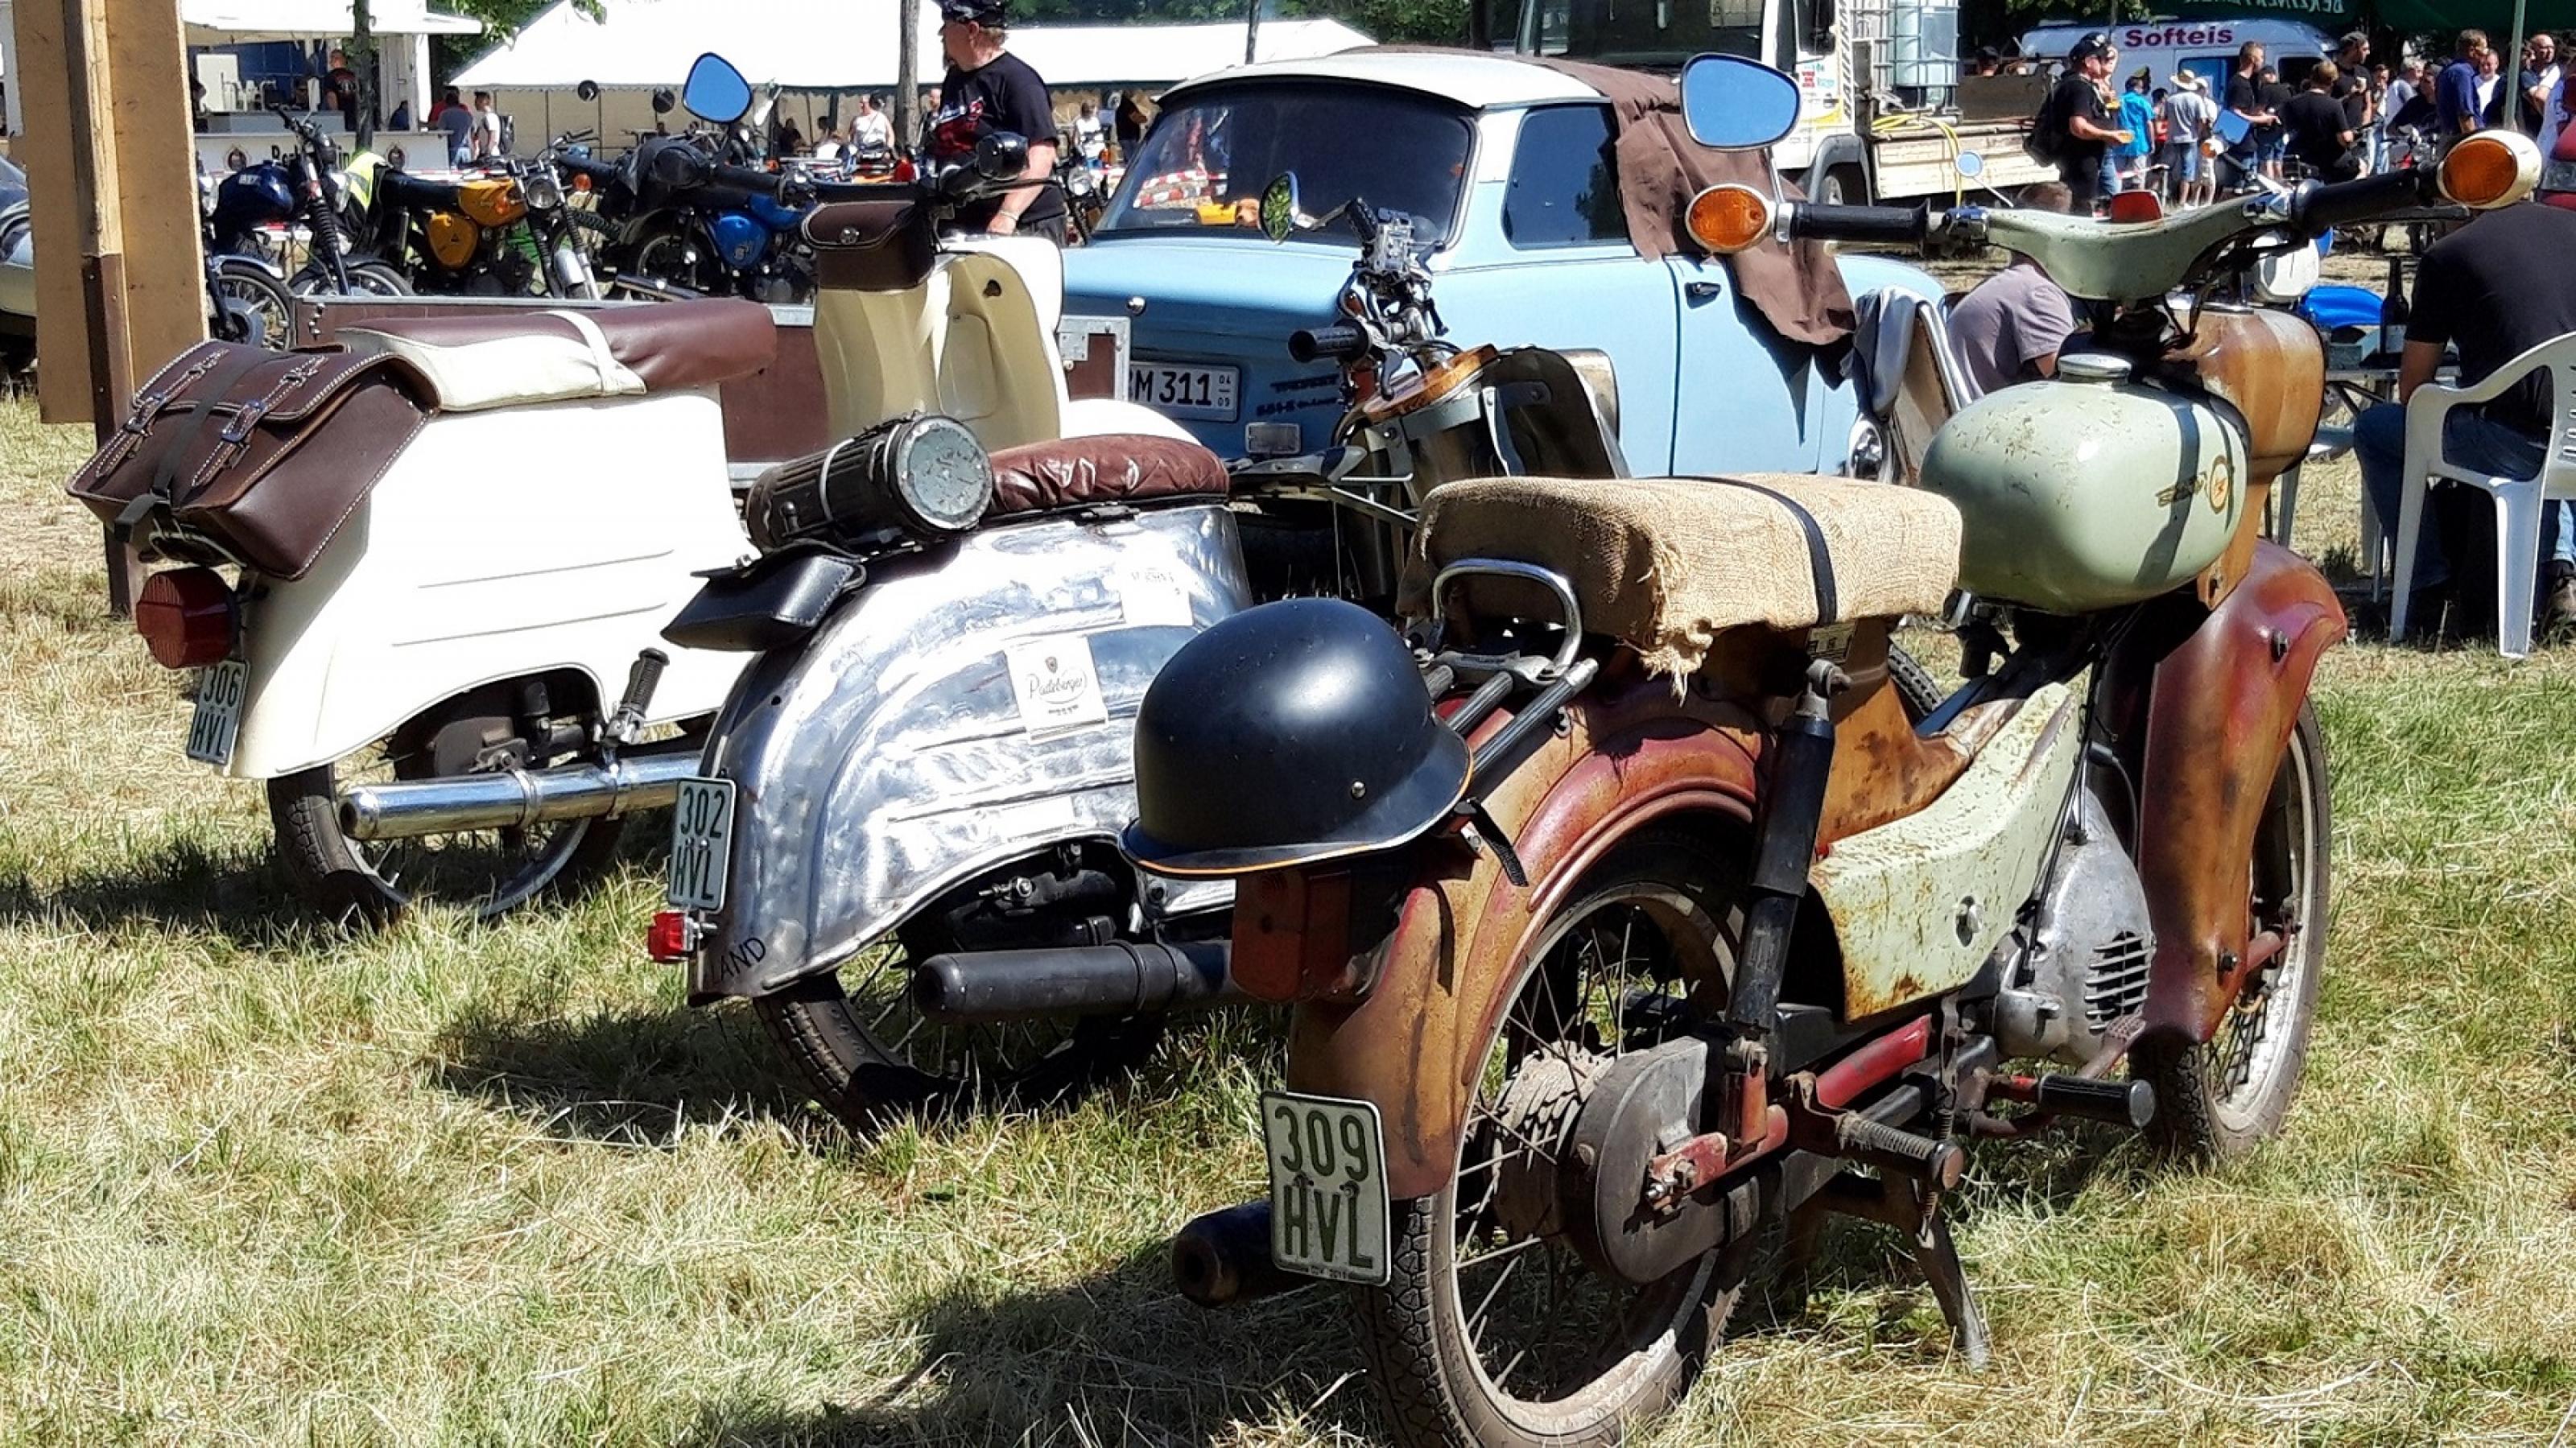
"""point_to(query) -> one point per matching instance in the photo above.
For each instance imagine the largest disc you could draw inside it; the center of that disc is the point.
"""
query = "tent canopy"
(228, 22)
(850, 45)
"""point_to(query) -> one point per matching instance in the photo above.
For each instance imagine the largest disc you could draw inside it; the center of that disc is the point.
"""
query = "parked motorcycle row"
(1637, 900)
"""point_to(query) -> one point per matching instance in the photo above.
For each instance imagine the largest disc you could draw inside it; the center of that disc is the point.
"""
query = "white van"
(2206, 48)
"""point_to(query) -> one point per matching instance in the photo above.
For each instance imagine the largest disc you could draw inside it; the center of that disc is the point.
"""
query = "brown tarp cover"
(1797, 288)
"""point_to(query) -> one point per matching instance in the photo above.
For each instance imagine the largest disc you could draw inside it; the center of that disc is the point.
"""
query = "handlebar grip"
(2318, 208)
(1897, 225)
(1338, 344)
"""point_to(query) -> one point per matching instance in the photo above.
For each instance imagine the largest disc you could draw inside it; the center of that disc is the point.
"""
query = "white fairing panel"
(501, 544)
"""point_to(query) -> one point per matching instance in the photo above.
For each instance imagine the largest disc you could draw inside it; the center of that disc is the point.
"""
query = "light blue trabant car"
(1507, 167)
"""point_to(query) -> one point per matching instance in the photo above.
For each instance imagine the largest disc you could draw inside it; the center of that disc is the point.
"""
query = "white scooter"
(434, 698)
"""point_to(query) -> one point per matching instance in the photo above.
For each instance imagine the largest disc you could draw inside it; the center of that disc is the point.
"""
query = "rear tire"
(2219, 1100)
(859, 1068)
(268, 310)
(1427, 1348)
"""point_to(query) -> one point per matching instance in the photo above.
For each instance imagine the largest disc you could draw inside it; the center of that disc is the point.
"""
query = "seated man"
(2496, 288)
(2008, 330)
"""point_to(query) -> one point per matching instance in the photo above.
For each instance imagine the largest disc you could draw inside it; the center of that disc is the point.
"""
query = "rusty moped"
(1634, 917)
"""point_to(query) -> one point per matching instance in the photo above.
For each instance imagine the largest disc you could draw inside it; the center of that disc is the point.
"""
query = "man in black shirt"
(988, 89)
(2077, 105)
(2352, 82)
(2319, 133)
(2495, 288)
(2244, 100)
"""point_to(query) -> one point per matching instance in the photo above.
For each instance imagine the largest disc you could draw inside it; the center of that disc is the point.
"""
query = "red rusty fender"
(2223, 705)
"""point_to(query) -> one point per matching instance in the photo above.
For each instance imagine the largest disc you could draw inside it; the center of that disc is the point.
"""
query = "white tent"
(227, 22)
(850, 44)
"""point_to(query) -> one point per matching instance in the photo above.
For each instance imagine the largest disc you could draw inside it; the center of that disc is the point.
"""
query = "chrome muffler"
(511, 799)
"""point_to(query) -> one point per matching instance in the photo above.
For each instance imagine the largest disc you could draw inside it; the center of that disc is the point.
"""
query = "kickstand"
(1914, 1210)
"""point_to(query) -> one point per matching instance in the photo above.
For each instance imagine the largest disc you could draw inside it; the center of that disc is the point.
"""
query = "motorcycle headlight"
(544, 193)
(920, 475)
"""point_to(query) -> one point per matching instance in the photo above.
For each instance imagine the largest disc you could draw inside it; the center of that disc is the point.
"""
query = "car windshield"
(1210, 154)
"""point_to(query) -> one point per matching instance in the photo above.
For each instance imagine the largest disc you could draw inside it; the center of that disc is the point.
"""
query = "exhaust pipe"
(514, 798)
(1224, 1257)
(1123, 978)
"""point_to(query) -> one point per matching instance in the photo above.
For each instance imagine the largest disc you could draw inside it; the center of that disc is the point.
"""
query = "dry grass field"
(262, 1181)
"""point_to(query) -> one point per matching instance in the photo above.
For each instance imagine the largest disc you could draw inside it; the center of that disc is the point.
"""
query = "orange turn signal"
(2491, 168)
(580, 183)
(1728, 218)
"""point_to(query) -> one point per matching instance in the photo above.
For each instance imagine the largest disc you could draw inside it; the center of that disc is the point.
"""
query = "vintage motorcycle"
(434, 700)
(1634, 916)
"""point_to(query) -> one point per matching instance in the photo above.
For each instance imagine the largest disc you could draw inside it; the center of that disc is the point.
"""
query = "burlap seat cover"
(1667, 564)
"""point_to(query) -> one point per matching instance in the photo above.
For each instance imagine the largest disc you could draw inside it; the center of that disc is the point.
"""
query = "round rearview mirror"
(1279, 207)
(588, 90)
(716, 91)
(664, 101)
(1734, 104)
(1969, 164)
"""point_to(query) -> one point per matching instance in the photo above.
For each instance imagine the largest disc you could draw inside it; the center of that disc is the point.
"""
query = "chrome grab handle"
(1547, 578)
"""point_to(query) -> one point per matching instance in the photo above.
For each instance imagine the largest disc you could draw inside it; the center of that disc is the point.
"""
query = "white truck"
(1886, 114)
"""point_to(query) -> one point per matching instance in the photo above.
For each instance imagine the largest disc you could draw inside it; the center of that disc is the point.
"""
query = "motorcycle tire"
(1915, 686)
(269, 307)
(838, 1044)
(1444, 1368)
(375, 882)
(2219, 1100)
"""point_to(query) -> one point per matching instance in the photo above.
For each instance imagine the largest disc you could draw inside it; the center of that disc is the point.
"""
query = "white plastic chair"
(2518, 501)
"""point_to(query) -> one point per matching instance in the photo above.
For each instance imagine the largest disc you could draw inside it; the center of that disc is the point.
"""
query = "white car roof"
(1480, 82)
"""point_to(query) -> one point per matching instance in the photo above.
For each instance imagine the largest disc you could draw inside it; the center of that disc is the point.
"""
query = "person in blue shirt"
(2138, 118)
(2455, 93)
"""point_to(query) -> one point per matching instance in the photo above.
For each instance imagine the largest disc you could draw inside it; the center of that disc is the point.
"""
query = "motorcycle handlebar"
(1338, 344)
(1896, 225)
(2318, 208)
(773, 186)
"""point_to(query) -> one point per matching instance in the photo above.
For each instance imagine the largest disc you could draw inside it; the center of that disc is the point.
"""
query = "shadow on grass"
(630, 1077)
(1115, 1358)
(241, 897)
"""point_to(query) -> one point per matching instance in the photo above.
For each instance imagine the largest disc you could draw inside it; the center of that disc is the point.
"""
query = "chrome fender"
(896, 753)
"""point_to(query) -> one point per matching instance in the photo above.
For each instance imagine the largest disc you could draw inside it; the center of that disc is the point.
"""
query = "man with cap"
(2495, 288)
(2077, 105)
(987, 90)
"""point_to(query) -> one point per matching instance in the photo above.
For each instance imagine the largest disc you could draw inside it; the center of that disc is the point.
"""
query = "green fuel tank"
(2089, 491)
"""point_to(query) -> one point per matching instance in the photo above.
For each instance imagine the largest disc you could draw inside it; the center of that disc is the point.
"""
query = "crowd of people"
(2189, 139)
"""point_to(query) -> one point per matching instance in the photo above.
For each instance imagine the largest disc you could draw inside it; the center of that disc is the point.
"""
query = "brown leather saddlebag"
(254, 455)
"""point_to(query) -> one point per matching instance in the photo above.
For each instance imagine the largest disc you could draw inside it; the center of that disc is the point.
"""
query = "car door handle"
(1701, 291)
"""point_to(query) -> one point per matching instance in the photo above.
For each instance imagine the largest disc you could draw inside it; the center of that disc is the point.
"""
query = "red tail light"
(186, 617)
(2136, 206)
(672, 936)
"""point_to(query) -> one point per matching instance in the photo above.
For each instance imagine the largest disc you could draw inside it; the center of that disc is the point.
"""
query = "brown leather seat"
(1110, 468)
(671, 345)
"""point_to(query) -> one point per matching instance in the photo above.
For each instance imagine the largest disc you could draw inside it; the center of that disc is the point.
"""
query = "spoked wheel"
(494, 871)
(256, 303)
(2219, 1100)
(1492, 1329)
(870, 1056)
(673, 255)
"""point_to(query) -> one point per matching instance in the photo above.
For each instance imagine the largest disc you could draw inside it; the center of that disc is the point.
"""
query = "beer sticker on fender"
(1056, 684)
(1328, 1197)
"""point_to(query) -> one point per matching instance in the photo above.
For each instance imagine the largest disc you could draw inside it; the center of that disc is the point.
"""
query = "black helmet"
(1292, 732)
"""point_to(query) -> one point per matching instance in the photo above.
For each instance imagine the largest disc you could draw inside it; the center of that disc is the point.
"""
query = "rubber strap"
(600, 357)
(1820, 562)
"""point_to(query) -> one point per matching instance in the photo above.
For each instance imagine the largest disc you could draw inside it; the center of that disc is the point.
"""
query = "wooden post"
(120, 280)
(907, 75)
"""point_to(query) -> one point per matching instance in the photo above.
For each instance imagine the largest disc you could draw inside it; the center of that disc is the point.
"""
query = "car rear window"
(1563, 189)
(1211, 153)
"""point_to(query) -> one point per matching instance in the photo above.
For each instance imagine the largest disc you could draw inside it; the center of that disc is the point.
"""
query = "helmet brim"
(1424, 798)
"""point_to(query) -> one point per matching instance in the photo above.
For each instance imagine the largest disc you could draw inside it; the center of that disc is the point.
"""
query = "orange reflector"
(2490, 168)
(2136, 206)
(580, 183)
(1728, 218)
